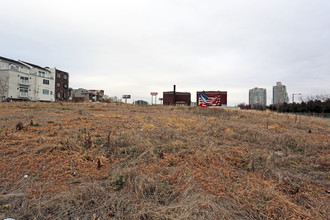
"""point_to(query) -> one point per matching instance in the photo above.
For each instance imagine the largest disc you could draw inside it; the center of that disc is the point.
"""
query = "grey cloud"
(140, 46)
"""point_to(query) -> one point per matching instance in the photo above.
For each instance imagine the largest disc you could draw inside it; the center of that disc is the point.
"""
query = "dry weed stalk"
(130, 162)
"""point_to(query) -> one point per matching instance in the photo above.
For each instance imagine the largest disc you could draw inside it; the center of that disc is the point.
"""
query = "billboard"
(126, 96)
(211, 99)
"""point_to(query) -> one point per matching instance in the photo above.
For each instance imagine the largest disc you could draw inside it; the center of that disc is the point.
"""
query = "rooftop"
(35, 66)
(9, 60)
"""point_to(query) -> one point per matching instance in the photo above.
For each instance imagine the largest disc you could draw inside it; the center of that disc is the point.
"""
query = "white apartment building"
(20, 80)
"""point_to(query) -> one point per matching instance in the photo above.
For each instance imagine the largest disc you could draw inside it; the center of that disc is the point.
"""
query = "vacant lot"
(101, 161)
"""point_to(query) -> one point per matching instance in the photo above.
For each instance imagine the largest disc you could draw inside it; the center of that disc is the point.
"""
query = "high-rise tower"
(280, 94)
(257, 96)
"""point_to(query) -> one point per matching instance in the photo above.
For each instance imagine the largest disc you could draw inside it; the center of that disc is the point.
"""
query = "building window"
(45, 91)
(65, 76)
(23, 92)
(46, 81)
(51, 92)
(58, 85)
(65, 86)
(58, 95)
(58, 75)
(23, 89)
(42, 74)
(24, 80)
(64, 95)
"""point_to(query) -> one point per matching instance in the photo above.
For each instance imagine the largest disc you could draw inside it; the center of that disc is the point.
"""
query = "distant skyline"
(138, 47)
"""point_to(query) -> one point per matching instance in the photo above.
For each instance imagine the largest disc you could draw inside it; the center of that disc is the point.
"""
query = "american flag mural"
(207, 101)
(202, 100)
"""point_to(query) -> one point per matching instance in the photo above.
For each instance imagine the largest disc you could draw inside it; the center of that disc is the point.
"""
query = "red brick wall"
(61, 85)
(168, 98)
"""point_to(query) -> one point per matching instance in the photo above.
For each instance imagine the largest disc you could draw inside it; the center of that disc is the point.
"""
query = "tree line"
(311, 106)
(318, 104)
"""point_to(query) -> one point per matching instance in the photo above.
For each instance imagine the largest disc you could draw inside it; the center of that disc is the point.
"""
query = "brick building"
(176, 98)
(61, 85)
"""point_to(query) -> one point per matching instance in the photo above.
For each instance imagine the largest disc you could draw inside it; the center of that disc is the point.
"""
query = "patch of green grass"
(118, 184)
(100, 141)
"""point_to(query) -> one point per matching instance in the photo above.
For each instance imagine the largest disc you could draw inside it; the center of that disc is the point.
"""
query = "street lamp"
(293, 94)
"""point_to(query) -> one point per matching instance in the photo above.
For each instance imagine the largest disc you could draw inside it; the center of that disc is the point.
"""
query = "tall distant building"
(257, 96)
(280, 94)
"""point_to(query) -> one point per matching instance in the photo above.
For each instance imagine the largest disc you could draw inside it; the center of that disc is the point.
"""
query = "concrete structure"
(84, 95)
(176, 98)
(21, 80)
(280, 94)
(80, 95)
(61, 84)
(257, 96)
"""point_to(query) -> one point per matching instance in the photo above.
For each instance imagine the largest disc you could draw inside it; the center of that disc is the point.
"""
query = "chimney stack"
(174, 95)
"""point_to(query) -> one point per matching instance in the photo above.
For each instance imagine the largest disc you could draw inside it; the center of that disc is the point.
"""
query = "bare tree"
(3, 89)
(321, 97)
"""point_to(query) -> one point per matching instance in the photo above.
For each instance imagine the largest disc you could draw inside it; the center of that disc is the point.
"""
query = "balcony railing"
(18, 70)
(46, 77)
(24, 82)
(24, 95)
(26, 71)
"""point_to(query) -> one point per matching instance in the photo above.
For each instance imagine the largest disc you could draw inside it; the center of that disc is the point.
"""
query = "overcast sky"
(140, 46)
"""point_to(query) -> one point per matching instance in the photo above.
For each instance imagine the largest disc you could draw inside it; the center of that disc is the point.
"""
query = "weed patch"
(90, 161)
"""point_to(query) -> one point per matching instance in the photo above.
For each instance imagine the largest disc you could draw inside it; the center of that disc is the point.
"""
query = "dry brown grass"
(101, 161)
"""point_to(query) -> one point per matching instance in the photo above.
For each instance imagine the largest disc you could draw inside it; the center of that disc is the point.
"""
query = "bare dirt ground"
(102, 161)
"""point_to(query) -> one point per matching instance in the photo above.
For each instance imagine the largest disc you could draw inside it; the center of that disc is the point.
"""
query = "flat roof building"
(280, 94)
(20, 80)
(61, 85)
(257, 96)
(176, 98)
